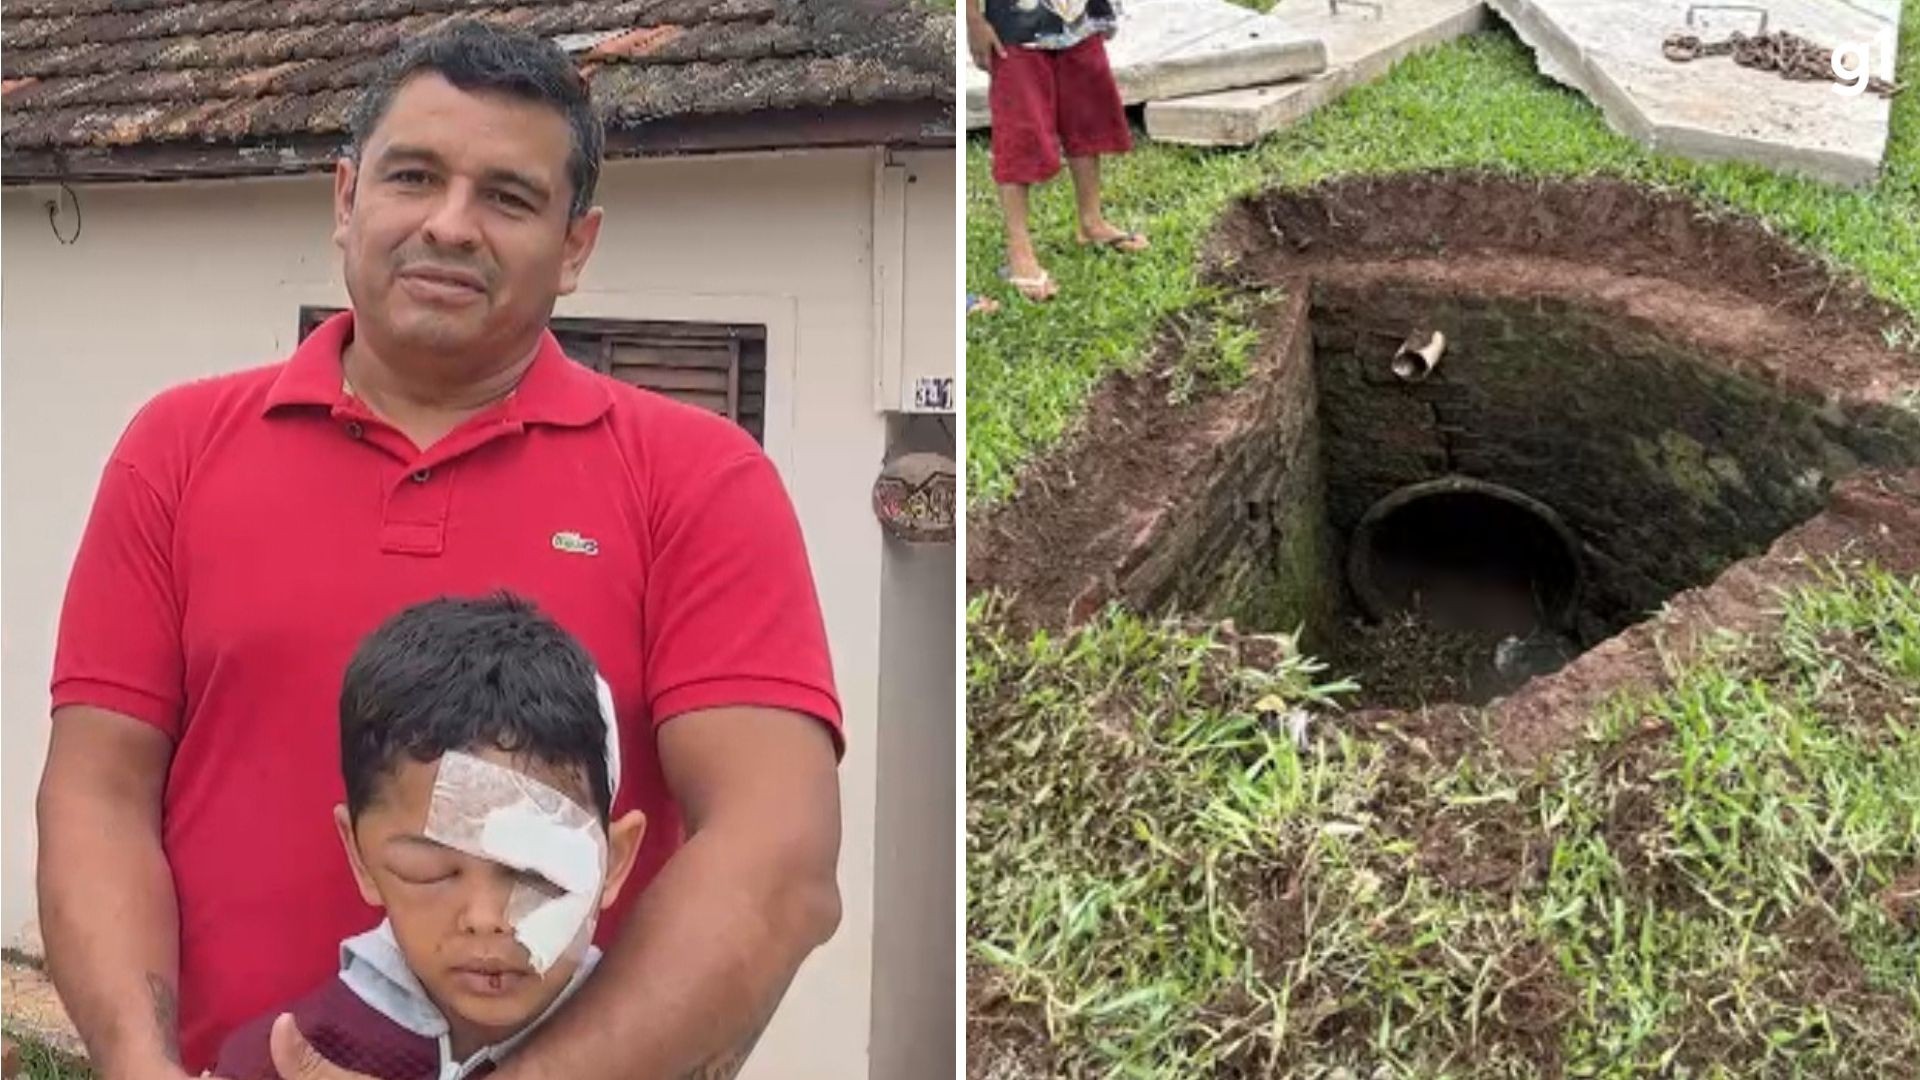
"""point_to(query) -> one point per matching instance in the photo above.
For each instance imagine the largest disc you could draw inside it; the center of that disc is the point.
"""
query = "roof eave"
(903, 125)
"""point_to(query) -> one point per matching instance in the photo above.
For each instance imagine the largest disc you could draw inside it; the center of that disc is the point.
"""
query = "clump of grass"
(1701, 887)
(1477, 103)
(1119, 779)
(1215, 340)
(38, 1061)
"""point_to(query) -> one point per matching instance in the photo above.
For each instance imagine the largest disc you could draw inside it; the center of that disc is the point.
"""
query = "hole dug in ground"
(1624, 399)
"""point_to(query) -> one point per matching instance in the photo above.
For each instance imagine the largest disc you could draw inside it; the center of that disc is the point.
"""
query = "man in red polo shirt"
(250, 529)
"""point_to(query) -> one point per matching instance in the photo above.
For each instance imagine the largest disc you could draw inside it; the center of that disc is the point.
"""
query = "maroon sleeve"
(344, 1029)
(732, 615)
(119, 642)
(246, 1054)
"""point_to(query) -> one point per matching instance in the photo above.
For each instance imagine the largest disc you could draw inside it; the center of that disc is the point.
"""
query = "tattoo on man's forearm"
(166, 1014)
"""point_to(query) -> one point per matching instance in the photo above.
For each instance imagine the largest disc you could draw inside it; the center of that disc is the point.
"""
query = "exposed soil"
(1726, 287)
(1054, 547)
(1061, 545)
(1323, 1017)
(1006, 1040)
(1724, 284)
(1635, 819)
(1874, 517)
(1534, 1002)
(1901, 899)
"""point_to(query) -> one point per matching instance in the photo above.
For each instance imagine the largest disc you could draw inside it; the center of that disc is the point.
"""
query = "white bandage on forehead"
(495, 813)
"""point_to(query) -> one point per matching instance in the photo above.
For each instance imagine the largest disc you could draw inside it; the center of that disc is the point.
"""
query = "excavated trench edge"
(1089, 520)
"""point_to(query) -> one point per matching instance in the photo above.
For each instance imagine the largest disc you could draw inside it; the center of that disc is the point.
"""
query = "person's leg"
(1023, 263)
(1093, 122)
(1091, 220)
(1026, 151)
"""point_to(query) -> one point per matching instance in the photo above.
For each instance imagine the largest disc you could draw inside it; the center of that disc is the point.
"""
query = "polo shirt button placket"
(416, 512)
(356, 430)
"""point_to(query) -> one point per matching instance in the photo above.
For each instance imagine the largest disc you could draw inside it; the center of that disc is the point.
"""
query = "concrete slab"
(1361, 46)
(1712, 108)
(1176, 48)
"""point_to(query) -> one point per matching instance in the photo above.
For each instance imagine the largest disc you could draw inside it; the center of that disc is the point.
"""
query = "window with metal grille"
(721, 367)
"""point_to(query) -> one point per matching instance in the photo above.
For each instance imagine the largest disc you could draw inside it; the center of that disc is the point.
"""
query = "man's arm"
(107, 907)
(694, 976)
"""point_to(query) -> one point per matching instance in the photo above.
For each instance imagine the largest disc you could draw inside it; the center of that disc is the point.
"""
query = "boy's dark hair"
(456, 675)
(477, 57)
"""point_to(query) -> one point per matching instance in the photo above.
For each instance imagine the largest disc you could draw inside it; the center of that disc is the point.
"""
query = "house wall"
(175, 281)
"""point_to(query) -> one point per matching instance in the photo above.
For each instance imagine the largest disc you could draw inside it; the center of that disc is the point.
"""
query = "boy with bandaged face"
(481, 760)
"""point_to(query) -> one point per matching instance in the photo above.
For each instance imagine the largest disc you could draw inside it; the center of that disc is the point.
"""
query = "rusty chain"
(1793, 56)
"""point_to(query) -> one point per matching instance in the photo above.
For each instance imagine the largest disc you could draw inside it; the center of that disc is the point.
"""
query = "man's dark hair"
(477, 57)
(459, 675)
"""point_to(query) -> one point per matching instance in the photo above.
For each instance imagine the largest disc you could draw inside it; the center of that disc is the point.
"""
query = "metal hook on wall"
(53, 215)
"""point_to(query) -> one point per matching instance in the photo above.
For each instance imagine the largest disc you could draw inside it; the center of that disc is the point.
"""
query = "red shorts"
(1044, 99)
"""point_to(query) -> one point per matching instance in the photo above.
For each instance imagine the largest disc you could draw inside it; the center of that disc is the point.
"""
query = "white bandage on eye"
(506, 817)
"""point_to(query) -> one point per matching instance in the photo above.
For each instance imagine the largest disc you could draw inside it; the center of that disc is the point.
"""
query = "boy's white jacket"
(372, 966)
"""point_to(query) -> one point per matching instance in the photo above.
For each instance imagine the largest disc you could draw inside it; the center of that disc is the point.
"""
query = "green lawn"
(1723, 879)
(1474, 104)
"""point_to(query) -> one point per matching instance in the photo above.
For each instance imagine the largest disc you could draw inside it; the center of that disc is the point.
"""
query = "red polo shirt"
(251, 529)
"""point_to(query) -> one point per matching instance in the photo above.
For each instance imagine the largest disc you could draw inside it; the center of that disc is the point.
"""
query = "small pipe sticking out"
(1414, 362)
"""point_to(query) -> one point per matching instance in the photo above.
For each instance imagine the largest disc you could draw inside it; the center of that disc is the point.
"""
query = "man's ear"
(623, 844)
(582, 234)
(345, 177)
(343, 823)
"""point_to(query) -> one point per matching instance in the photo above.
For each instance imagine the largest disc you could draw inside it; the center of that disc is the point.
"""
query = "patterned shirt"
(1051, 24)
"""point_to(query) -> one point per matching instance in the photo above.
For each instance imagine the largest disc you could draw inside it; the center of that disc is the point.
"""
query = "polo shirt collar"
(555, 390)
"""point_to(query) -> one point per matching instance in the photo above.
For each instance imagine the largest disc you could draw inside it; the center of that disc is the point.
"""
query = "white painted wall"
(170, 282)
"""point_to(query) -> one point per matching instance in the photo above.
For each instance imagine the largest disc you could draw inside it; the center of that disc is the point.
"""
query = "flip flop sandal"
(978, 304)
(1126, 243)
(1036, 290)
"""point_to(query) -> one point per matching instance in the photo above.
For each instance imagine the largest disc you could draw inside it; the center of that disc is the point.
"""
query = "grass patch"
(1215, 339)
(38, 1061)
(1474, 104)
(1704, 886)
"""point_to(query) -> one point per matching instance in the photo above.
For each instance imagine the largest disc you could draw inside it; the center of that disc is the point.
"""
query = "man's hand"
(294, 1058)
(711, 946)
(982, 42)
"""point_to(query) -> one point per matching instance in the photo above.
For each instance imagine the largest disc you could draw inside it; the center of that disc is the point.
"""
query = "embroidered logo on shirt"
(576, 544)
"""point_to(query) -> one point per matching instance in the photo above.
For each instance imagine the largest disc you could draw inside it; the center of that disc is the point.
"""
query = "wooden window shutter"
(706, 374)
(720, 367)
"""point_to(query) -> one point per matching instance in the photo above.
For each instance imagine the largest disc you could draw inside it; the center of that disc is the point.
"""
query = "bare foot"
(1107, 235)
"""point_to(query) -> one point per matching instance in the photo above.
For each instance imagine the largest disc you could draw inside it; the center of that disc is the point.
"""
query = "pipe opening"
(1466, 555)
